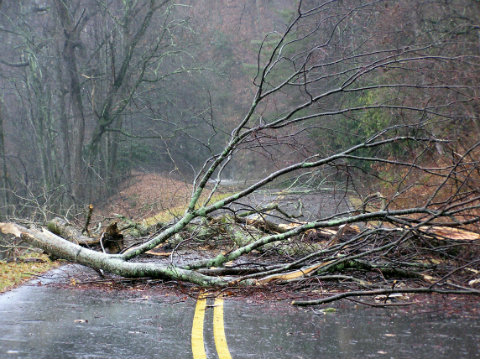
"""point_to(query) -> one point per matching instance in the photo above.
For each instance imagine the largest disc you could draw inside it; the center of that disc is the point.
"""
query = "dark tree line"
(92, 89)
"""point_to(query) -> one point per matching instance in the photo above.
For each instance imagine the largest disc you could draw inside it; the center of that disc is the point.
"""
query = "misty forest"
(325, 146)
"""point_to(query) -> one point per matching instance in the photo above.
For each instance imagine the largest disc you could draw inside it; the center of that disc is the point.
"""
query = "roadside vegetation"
(22, 268)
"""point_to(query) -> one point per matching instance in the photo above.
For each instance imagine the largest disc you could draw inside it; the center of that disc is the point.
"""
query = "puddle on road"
(50, 322)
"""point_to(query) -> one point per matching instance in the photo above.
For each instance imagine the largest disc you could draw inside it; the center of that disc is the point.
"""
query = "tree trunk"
(62, 248)
(4, 192)
(72, 41)
(64, 229)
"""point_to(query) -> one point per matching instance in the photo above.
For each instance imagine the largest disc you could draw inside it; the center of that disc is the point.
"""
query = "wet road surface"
(350, 333)
(303, 204)
(52, 322)
(48, 321)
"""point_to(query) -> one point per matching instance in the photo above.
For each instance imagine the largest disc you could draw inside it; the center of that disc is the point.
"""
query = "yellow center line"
(219, 330)
(198, 347)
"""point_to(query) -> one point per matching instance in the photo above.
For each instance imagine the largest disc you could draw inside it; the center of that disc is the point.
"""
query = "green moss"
(53, 228)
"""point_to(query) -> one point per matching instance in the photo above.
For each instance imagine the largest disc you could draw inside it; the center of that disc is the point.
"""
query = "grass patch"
(27, 265)
(177, 211)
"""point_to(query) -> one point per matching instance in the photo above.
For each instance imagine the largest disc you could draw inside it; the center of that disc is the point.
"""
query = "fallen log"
(67, 231)
(440, 232)
(267, 226)
(452, 233)
(296, 274)
(112, 263)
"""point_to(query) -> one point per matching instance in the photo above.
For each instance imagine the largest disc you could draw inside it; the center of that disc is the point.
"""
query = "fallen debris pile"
(253, 251)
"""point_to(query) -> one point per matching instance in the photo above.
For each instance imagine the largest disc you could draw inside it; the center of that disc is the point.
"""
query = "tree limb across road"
(341, 100)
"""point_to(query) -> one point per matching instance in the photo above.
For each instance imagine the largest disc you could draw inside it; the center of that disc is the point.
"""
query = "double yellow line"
(198, 344)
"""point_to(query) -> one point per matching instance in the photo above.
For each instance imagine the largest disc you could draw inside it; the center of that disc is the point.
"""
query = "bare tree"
(341, 94)
(72, 75)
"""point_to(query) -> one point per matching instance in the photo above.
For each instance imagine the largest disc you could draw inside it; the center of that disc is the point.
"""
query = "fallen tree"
(352, 252)
(425, 227)
(65, 249)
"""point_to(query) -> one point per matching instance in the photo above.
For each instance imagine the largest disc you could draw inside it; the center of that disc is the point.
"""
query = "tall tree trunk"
(4, 178)
(72, 41)
(64, 127)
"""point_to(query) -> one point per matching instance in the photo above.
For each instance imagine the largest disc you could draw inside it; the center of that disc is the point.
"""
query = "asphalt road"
(303, 204)
(46, 320)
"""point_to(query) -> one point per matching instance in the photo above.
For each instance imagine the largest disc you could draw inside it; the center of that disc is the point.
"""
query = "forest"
(307, 143)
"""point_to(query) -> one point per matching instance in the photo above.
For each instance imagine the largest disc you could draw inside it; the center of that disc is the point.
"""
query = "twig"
(380, 305)
(367, 293)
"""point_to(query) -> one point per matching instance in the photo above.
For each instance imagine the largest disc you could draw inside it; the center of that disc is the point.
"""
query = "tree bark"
(72, 41)
(62, 248)
(3, 158)
(64, 229)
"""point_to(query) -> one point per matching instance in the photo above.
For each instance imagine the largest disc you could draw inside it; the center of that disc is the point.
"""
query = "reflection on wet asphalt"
(44, 322)
(52, 322)
(351, 332)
